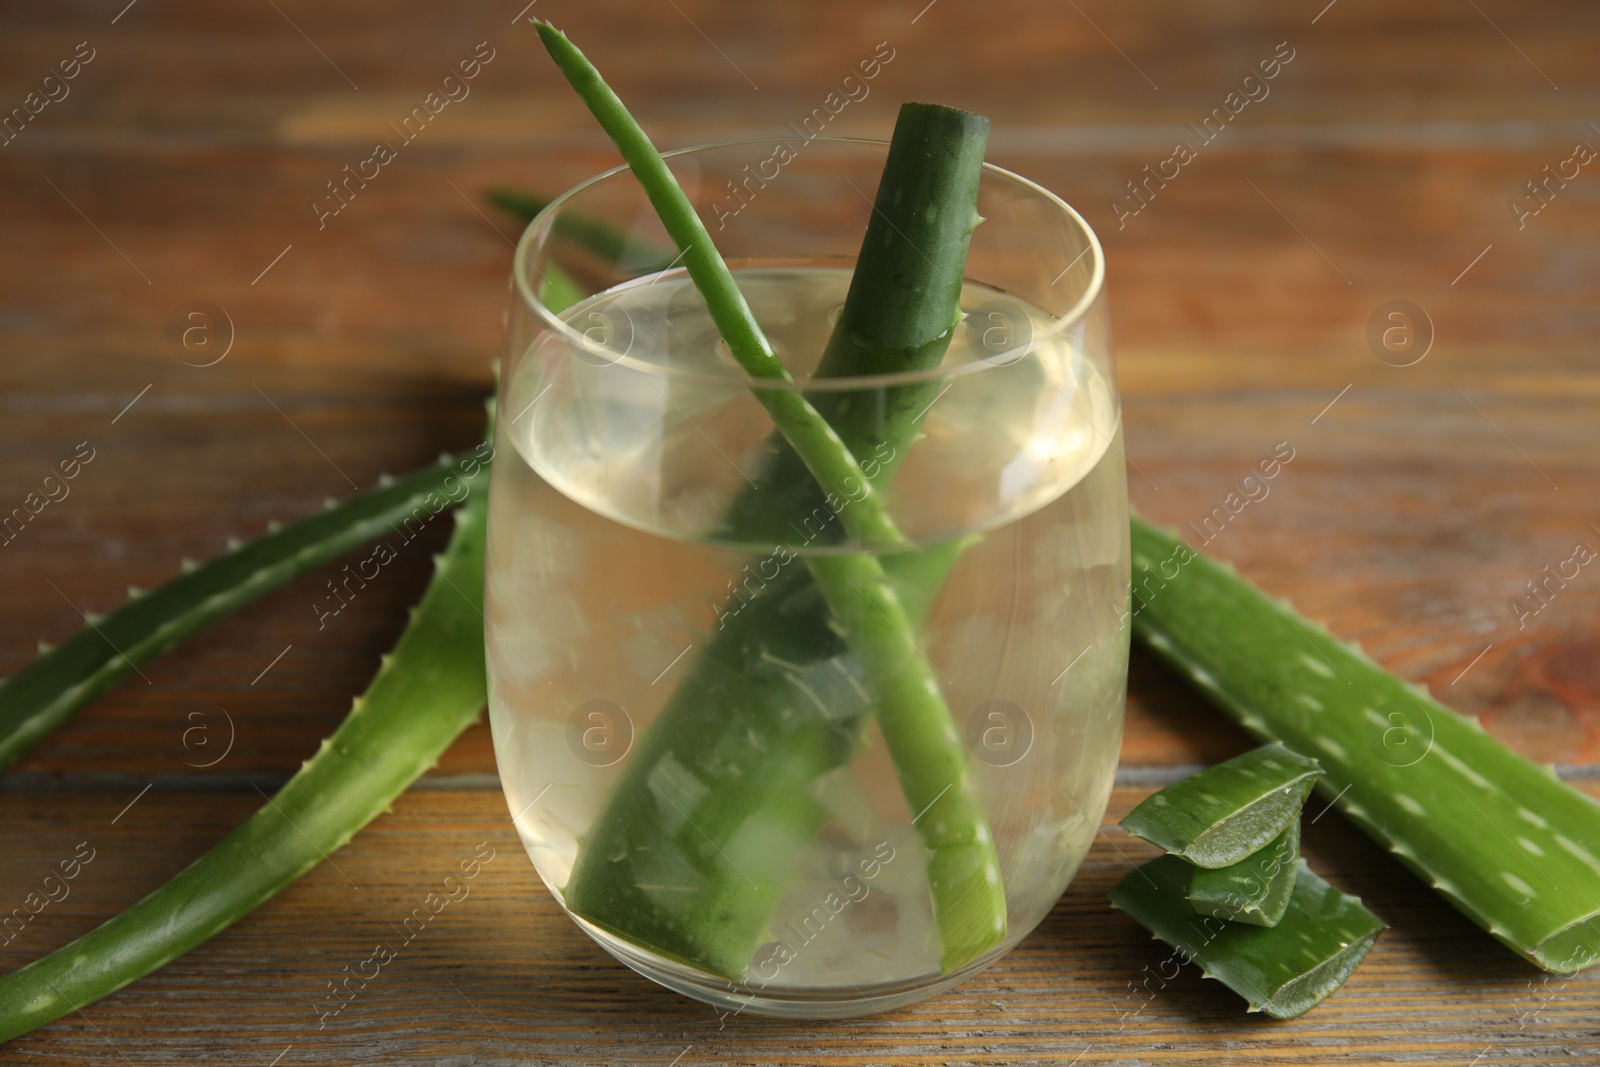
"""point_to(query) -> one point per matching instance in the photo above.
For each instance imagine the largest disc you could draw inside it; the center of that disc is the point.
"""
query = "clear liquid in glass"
(608, 572)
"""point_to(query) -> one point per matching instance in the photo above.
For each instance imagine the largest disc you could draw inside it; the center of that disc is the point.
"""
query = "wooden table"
(1383, 165)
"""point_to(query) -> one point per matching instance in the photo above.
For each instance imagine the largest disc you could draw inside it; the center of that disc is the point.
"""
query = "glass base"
(842, 1002)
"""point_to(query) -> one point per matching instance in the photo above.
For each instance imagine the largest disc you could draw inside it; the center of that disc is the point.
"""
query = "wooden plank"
(1063, 65)
(1397, 223)
(503, 976)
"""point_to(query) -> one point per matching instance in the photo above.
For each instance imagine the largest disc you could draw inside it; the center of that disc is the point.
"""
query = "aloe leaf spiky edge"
(964, 871)
(55, 686)
(1504, 840)
(1227, 812)
(1283, 970)
(428, 690)
(1255, 890)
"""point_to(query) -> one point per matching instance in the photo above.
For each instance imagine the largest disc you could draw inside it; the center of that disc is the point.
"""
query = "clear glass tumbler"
(759, 761)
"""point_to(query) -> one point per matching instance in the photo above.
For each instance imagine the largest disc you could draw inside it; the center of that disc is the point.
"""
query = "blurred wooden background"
(1385, 163)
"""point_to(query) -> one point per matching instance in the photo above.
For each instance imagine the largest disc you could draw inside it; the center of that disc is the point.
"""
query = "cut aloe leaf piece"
(1228, 812)
(1255, 890)
(1283, 970)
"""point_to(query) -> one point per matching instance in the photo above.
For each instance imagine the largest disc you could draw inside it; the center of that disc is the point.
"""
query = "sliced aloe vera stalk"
(1283, 970)
(1255, 890)
(1228, 812)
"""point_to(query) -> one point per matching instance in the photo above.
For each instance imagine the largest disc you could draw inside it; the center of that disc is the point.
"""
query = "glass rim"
(552, 323)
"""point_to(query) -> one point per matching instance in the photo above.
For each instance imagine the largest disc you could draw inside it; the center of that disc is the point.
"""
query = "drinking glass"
(706, 744)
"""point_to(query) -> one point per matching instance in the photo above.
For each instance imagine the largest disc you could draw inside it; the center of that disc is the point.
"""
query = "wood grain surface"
(183, 166)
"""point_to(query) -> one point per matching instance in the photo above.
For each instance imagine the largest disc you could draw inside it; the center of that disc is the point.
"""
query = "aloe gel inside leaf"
(1255, 890)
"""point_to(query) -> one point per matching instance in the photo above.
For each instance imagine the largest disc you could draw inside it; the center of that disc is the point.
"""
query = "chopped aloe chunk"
(1283, 970)
(1230, 811)
(1255, 890)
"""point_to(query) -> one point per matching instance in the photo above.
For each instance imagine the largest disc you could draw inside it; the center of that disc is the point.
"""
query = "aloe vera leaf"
(525, 206)
(969, 902)
(964, 877)
(598, 236)
(428, 690)
(699, 837)
(1283, 970)
(898, 316)
(903, 303)
(1256, 889)
(1230, 811)
(52, 688)
(1504, 840)
(825, 455)
(558, 291)
(912, 335)
(765, 710)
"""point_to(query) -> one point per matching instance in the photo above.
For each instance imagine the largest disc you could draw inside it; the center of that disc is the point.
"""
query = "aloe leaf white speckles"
(1504, 840)
(427, 691)
(1256, 889)
(1228, 812)
(1283, 970)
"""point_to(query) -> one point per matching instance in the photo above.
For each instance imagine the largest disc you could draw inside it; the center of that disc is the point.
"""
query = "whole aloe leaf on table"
(1507, 842)
(429, 689)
